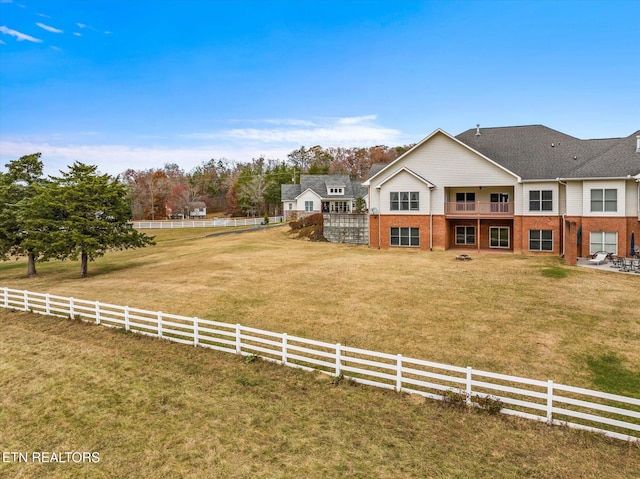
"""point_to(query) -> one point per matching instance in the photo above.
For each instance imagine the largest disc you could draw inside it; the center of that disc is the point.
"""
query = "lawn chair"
(599, 258)
(627, 265)
(617, 262)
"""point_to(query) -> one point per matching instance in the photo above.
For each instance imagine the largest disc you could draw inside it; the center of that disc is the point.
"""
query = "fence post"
(6, 297)
(97, 313)
(160, 324)
(338, 360)
(399, 373)
(195, 332)
(549, 402)
(26, 300)
(284, 349)
(126, 318)
(238, 340)
(47, 306)
(469, 369)
(72, 314)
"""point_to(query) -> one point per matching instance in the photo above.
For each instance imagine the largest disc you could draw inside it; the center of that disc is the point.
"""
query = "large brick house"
(525, 189)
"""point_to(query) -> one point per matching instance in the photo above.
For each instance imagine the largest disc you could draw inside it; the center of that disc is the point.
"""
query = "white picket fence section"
(216, 222)
(556, 404)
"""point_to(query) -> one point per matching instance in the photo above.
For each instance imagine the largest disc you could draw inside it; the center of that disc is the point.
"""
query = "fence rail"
(216, 222)
(556, 404)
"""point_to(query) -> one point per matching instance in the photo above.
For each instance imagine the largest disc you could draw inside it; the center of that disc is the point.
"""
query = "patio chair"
(599, 258)
(627, 265)
(617, 262)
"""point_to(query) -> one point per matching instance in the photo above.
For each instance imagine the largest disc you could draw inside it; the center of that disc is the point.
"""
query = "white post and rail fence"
(216, 222)
(556, 404)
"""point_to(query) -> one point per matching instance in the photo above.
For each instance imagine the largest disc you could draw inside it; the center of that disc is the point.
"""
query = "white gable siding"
(445, 163)
(540, 186)
(587, 186)
(403, 182)
(309, 196)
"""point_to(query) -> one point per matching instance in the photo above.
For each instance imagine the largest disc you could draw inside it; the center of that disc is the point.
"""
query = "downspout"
(430, 220)
(562, 227)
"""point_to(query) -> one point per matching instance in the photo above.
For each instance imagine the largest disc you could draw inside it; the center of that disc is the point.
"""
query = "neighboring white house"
(321, 194)
(197, 209)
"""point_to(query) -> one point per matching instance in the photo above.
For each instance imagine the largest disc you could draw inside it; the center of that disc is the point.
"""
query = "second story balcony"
(479, 209)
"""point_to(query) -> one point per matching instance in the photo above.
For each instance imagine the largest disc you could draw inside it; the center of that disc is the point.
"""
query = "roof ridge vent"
(478, 129)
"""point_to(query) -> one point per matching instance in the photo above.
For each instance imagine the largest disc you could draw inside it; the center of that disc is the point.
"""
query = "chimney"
(638, 144)
(478, 132)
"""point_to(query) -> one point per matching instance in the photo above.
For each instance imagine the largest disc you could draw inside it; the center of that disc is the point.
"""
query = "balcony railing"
(478, 208)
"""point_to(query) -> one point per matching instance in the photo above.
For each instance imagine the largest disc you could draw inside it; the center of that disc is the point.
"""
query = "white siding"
(309, 196)
(574, 198)
(603, 184)
(446, 164)
(631, 201)
(403, 182)
(539, 186)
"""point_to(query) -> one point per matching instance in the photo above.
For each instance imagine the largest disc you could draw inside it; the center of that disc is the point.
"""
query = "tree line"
(249, 188)
(80, 214)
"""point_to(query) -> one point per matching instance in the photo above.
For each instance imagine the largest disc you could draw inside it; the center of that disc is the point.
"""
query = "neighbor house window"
(308, 205)
(465, 201)
(465, 235)
(540, 240)
(405, 200)
(541, 200)
(604, 200)
(603, 241)
(405, 236)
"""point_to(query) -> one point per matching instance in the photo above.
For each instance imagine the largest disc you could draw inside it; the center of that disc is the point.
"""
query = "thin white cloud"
(82, 25)
(43, 15)
(350, 131)
(19, 36)
(49, 28)
(77, 34)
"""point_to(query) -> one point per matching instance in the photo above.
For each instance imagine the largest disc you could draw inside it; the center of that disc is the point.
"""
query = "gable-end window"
(308, 205)
(290, 206)
(541, 240)
(405, 200)
(465, 235)
(603, 241)
(540, 200)
(405, 236)
(604, 200)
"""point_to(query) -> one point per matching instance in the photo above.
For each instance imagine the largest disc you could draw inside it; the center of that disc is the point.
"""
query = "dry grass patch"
(156, 409)
(520, 315)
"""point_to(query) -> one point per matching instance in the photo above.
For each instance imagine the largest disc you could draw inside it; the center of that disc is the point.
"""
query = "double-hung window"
(405, 236)
(541, 200)
(604, 199)
(465, 235)
(308, 205)
(603, 241)
(405, 200)
(541, 240)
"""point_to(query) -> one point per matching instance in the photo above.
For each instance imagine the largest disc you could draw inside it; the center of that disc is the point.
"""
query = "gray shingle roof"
(538, 152)
(319, 184)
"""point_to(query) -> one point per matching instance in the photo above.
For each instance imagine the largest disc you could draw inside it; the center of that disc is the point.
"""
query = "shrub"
(490, 404)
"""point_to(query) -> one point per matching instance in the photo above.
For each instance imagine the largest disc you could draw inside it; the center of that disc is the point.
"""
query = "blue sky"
(138, 83)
